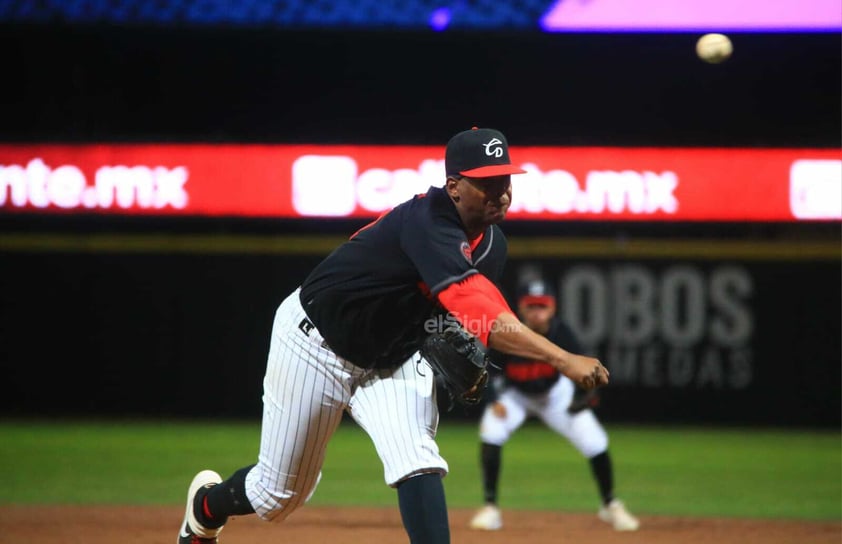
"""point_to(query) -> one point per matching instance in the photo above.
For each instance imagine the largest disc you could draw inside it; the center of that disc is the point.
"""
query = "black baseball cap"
(479, 153)
(537, 292)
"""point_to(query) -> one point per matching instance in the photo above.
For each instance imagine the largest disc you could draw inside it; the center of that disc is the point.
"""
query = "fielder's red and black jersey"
(537, 376)
(370, 298)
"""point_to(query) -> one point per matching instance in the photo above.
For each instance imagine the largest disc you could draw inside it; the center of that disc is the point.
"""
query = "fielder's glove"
(459, 361)
(583, 399)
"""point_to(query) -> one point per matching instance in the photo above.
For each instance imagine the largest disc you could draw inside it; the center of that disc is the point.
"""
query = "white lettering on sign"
(555, 191)
(66, 187)
(323, 185)
(679, 327)
(625, 191)
(379, 190)
(815, 189)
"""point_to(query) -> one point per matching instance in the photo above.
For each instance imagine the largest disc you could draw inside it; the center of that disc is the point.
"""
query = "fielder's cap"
(537, 292)
(479, 153)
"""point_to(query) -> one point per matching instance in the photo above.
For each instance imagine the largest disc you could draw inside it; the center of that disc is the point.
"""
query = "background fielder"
(533, 388)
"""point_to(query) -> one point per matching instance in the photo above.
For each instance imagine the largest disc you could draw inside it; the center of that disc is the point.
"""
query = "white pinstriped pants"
(305, 391)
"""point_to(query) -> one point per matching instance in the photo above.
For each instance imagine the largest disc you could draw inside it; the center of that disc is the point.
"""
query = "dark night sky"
(155, 84)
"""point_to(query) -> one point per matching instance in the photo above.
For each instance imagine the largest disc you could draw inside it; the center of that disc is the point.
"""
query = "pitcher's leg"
(304, 394)
(398, 410)
(424, 509)
(306, 389)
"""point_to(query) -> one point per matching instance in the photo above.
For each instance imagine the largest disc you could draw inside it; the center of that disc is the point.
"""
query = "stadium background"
(87, 332)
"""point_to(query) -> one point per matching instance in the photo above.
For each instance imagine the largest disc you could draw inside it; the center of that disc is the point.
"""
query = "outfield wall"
(146, 325)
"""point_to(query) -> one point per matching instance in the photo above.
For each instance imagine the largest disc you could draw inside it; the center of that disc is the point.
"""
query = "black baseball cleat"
(186, 536)
(192, 532)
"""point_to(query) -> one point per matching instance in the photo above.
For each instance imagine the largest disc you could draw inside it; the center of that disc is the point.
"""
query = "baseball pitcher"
(348, 340)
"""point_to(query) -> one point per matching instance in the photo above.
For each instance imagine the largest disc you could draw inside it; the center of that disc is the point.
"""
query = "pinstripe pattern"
(305, 391)
(397, 408)
(583, 429)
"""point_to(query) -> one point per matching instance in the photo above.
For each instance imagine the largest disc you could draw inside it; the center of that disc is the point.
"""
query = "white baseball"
(714, 48)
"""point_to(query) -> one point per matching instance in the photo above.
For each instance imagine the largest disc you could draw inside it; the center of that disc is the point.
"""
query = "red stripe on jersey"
(475, 242)
(527, 371)
(476, 303)
(381, 216)
(369, 225)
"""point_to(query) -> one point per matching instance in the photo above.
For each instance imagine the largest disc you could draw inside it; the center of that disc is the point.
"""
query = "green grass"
(674, 471)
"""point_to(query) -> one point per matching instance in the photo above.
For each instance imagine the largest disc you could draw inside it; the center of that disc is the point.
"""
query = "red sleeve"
(476, 303)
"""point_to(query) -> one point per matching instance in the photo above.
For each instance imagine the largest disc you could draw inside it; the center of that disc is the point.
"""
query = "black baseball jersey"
(370, 298)
(537, 376)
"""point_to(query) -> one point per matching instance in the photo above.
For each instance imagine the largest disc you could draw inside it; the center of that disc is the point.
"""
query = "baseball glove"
(459, 361)
(582, 400)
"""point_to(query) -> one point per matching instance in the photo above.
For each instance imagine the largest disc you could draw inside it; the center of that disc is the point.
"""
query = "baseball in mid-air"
(714, 48)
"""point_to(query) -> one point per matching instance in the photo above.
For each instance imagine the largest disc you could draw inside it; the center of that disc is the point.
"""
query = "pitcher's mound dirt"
(322, 525)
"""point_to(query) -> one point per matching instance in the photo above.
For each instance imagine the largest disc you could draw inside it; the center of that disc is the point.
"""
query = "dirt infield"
(320, 525)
